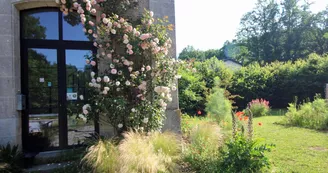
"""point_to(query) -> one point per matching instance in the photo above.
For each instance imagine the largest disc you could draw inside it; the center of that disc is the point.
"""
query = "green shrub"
(243, 155)
(280, 82)
(259, 107)
(197, 78)
(218, 106)
(192, 89)
(10, 159)
(202, 151)
(312, 115)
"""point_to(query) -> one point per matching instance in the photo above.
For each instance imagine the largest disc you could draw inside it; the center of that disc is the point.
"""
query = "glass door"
(42, 97)
(53, 76)
(77, 77)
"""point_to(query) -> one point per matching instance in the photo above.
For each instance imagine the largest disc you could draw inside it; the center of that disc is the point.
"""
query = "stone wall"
(163, 8)
(10, 74)
(10, 124)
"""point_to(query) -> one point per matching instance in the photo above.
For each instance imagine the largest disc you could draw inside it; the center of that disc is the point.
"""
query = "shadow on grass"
(287, 126)
(278, 112)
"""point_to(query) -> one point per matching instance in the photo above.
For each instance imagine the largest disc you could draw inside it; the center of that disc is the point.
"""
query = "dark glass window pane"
(78, 75)
(72, 28)
(43, 97)
(41, 25)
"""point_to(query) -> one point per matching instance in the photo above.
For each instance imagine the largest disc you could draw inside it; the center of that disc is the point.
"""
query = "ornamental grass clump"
(152, 153)
(202, 150)
(102, 157)
(137, 152)
(259, 107)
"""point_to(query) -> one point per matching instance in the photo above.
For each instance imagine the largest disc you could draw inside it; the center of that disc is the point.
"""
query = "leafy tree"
(285, 31)
(191, 53)
(211, 68)
(33, 28)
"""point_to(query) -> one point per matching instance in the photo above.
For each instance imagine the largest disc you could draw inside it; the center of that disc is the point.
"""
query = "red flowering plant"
(259, 107)
(241, 122)
(244, 154)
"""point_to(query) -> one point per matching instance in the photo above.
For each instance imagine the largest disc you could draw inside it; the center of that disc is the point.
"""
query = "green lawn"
(297, 149)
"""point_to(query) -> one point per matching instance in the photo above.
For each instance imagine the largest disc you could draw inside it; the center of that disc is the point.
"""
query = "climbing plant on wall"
(134, 88)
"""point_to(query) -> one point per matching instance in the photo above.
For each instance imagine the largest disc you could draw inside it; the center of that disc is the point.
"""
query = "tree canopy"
(273, 31)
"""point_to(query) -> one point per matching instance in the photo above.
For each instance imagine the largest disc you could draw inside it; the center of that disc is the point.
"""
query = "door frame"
(61, 46)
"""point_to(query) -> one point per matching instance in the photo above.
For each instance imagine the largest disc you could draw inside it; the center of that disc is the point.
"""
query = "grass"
(297, 149)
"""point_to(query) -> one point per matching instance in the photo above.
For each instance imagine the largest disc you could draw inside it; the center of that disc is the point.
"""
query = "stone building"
(42, 73)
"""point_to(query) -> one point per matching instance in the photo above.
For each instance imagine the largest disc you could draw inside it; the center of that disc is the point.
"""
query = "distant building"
(232, 64)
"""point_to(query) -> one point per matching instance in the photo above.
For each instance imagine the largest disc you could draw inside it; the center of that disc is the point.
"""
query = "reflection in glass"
(72, 28)
(78, 75)
(43, 98)
(41, 25)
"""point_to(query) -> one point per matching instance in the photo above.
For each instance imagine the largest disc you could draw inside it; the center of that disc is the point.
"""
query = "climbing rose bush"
(133, 88)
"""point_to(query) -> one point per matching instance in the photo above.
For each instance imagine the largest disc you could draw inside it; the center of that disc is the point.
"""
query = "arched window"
(54, 75)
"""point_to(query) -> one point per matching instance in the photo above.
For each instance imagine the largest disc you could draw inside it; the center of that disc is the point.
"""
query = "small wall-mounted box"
(21, 102)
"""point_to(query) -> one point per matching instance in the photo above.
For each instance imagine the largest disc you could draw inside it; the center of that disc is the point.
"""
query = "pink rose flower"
(144, 36)
(93, 11)
(93, 63)
(130, 28)
(91, 23)
(144, 46)
(125, 37)
(129, 46)
(76, 5)
(113, 71)
(105, 20)
(126, 62)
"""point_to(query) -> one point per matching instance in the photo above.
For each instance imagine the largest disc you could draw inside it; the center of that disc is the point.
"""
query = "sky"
(207, 24)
